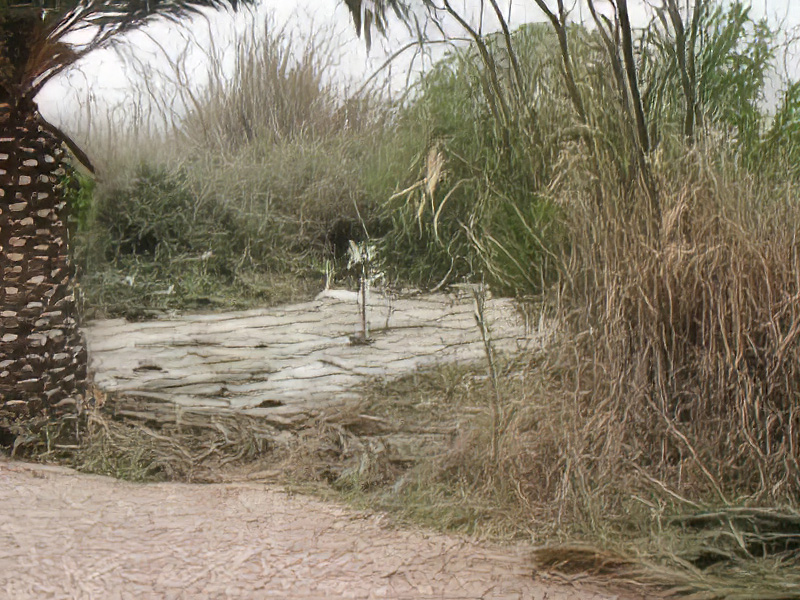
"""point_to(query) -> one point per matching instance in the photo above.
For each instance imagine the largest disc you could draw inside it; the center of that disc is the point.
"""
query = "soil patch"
(69, 535)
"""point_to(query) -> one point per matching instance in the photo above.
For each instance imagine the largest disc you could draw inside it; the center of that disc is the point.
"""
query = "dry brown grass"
(676, 384)
(691, 338)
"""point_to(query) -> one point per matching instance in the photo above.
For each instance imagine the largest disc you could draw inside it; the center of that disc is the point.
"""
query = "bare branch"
(559, 23)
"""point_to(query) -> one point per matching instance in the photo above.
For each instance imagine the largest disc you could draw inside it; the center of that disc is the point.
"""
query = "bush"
(476, 210)
(246, 200)
(156, 243)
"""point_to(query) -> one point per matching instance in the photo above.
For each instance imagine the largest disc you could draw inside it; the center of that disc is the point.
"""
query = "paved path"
(285, 362)
(65, 535)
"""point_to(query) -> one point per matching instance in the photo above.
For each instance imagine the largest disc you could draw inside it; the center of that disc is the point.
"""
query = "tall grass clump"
(691, 337)
(689, 315)
(245, 193)
(472, 204)
(674, 386)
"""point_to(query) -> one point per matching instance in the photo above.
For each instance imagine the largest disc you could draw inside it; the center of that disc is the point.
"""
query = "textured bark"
(42, 354)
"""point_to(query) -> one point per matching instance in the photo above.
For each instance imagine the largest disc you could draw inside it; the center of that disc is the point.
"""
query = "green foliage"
(482, 155)
(780, 146)
(268, 178)
(734, 61)
(270, 186)
(522, 250)
(79, 191)
(159, 242)
(733, 58)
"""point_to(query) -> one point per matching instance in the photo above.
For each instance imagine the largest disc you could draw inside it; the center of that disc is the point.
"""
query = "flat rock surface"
(74, 536)
(288, 361)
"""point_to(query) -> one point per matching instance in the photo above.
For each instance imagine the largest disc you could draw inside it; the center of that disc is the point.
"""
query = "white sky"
(104, 80)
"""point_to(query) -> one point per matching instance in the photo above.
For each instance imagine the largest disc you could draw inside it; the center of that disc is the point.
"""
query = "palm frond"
(372, 14)
(35, 47)
(34, 44)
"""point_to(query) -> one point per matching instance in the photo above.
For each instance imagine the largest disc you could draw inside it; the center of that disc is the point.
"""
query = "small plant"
(79, 190)
(362, 256)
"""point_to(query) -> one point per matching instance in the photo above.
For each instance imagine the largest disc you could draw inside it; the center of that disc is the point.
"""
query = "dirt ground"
(69, 535)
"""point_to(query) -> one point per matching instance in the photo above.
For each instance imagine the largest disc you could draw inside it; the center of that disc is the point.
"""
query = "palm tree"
(43, 359)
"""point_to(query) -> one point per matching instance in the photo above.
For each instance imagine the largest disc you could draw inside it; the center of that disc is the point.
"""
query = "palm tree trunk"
(43, 360)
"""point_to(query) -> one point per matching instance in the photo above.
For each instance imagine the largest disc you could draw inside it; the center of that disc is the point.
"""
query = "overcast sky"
(105, 79)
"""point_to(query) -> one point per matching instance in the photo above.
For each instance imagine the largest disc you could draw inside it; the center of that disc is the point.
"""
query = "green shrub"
(79, 192)
(483, 155)
(246, 200)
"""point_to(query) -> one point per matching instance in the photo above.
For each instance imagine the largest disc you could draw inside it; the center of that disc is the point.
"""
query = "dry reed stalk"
(498, 418)
(696, 329)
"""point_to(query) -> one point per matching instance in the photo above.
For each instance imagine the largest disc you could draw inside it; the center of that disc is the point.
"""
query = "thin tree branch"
(686, 82)
(559, 25)
(633, 83)
(512, 55)
(68, 142)
(604, 27)
(494, 95)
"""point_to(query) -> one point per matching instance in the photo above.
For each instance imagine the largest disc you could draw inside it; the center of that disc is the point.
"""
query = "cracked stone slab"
(295, 359)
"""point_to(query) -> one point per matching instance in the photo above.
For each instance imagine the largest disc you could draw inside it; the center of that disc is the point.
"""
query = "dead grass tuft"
(201, 448)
